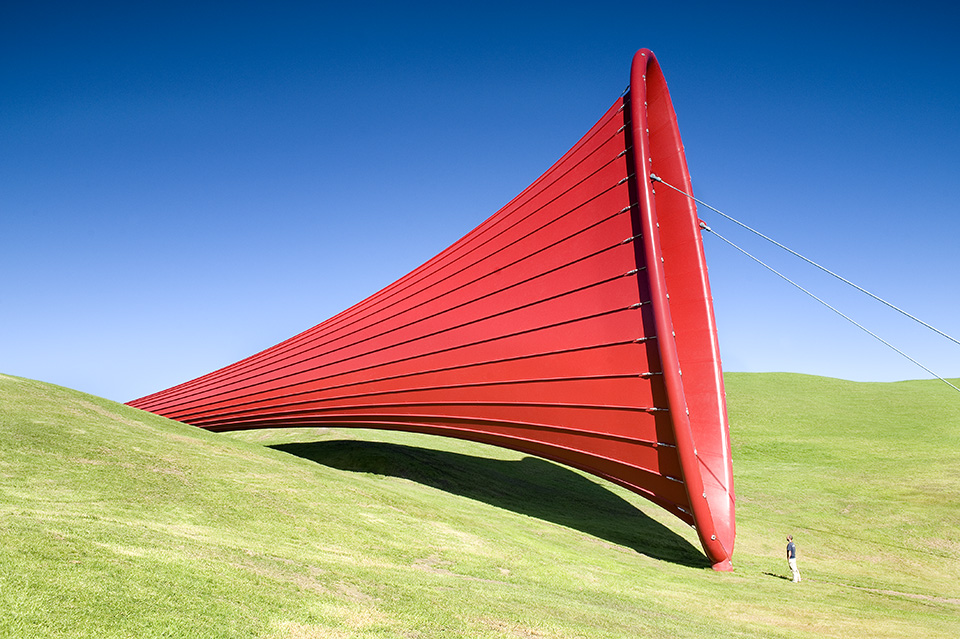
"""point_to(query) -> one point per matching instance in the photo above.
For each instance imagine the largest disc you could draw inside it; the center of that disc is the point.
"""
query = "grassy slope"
(115, 523)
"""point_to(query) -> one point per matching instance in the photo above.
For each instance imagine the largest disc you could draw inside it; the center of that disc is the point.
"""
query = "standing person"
(792, 559)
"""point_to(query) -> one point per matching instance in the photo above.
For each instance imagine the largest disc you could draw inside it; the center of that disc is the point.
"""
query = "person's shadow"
(775, 575)
(530, 486)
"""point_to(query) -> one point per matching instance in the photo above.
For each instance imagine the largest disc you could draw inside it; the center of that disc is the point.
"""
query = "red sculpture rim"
(645, 62)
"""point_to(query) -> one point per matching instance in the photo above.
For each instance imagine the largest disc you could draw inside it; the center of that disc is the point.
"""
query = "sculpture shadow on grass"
(529, 486)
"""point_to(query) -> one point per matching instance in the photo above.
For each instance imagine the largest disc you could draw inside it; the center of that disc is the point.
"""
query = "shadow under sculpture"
(529, 486)
(575, 324)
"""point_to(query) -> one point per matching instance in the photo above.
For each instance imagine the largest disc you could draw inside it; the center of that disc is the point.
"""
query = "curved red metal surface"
(688, 338)
(575, 324)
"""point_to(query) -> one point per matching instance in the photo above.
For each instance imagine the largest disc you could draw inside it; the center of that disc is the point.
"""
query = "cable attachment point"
(655, 178)
(703, 225)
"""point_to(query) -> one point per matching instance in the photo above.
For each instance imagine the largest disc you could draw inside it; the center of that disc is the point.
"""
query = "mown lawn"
(117, 523)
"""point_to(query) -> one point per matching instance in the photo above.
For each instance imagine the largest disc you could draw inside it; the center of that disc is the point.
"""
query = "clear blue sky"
(184, 184)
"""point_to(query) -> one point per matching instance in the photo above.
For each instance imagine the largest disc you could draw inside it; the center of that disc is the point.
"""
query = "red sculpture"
(575, 324)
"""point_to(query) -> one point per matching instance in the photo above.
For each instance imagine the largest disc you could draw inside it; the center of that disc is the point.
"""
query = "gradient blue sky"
(184, 184)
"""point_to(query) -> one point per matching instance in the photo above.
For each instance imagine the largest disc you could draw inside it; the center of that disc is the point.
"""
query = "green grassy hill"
(117, 523)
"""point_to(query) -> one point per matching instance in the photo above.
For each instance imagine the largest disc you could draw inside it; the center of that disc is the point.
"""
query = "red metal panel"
(559, 327)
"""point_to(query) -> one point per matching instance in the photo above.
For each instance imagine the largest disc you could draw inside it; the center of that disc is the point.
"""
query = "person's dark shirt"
(791, 551)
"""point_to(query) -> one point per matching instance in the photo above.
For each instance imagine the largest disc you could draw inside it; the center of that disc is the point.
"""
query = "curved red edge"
(703, 447)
